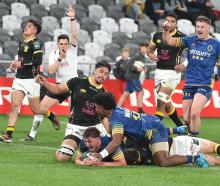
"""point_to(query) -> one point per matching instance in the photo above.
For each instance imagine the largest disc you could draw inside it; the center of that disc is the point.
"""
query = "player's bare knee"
(62, 157)
(65, 153)
(194, 114)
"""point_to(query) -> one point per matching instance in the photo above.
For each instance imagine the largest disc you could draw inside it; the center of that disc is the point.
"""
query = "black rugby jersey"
(168, 55)
(30, 53)
(82, 102)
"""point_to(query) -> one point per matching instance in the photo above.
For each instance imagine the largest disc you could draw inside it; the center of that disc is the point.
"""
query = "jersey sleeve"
(117, 127)
(183, 41)
(218, 51)
(117, 154)
(37, 53)
(72, 83)
(52, 58)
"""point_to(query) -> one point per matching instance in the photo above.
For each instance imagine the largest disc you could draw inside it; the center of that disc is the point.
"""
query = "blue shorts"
(190, 91)
(133, 86)
(157, 129)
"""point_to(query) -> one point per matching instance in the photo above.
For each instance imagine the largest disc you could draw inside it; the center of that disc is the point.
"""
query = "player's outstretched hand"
(71, 12)
(179, 68)
(40, 79)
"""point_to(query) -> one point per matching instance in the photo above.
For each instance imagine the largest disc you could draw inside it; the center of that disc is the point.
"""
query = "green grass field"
(33, 163)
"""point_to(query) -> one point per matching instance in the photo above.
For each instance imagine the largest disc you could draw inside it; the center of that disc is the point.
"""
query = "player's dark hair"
(205, 19)
(106, 99)
(35, 22)
(143, 44)
(131, 156)
(91, 132)
(63, 36)
(172, 14)
(103, 64)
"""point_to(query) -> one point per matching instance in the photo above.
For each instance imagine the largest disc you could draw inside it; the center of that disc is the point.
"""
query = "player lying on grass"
(138, 153)
(147, 126)
(93, 142)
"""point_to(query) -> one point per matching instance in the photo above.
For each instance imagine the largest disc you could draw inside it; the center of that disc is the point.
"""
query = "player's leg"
(123, 98)
(73, 136)
(172, 113)
(127, 91)
(213, 160)
(209, 147)
(67, 148)
(17, 97)
(47, 103)
(198, 104)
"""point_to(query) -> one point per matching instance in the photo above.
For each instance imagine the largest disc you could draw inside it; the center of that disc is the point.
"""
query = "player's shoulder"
(180, 34)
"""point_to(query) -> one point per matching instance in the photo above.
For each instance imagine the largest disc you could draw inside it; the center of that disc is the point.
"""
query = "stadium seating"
(89, 25)
(58, 11)
(66, 3)
(103, 58)
(93, 50)
(112, 50)
(120, 38)
(185, 26)
(58, 32)
(81, 12)
(19, 10)
(128, 26)
(96, 12)
(139, 37)
(147, 26)
(105, 4)
(109, 25)
(49, 24)
(28, 2)
(101, 37)
(10, 22)
(47, 3)
(44, 36)
(86, 63)
(4, 36)
(134, 48)
(83, 38)
(39, 11)
(5, 10)
(86, 3)
(10, 48)
(115, 11)
(18, 34)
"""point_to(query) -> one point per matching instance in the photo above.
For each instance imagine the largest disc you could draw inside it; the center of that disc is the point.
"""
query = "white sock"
(36, 123)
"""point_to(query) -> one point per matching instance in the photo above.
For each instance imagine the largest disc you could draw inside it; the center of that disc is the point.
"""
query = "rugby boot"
(54, 120)
(5, 138)
(201, 161)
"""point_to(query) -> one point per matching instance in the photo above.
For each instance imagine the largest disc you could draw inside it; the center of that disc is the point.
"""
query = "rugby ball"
(139, 64)
(88, 155)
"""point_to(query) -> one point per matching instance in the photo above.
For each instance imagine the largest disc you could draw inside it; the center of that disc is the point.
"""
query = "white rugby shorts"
(185, 145)
(78, 131)
(170, 77)
(28, 86)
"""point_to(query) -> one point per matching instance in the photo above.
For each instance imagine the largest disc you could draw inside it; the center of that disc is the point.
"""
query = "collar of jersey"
(32, 38)
(93, 84)
(172, 33)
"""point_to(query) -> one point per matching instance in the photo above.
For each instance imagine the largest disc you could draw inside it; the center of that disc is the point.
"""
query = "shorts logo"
(82, 90)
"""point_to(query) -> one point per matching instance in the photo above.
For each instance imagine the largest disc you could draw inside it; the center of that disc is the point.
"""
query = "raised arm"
(51, 87)
(150, 52)
(167, 38)
(72, 14)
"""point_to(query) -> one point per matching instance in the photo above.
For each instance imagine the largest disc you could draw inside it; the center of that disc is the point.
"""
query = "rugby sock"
(140, 110)
(194, 134)
(36, 123)
(160, 115)
(217, 149)
(50, 115)
(191, 159)
(10, 130)
(174, 116)
(170, 131)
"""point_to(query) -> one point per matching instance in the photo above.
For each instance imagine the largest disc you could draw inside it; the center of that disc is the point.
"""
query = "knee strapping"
(67, 150)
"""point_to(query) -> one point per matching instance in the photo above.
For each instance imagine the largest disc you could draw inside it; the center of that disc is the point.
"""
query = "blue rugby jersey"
(125, 121)
(105, 140)
(202, 57)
